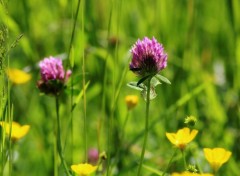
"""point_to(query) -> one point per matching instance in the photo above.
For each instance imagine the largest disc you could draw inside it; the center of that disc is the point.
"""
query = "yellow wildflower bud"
(131, 101)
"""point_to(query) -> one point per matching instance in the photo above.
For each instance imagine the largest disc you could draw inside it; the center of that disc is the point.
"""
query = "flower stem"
(124, 126)
(184, 159)
(59, 145)
(146, 126)
(55, 157)
(169, 163)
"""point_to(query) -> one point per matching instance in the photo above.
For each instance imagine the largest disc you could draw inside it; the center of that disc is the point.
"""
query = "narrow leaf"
(79, 96)
(153, 170)
(162, 78)
(134, 85)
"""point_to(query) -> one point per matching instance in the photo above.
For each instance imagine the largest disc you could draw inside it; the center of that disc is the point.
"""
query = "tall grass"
(94, 39)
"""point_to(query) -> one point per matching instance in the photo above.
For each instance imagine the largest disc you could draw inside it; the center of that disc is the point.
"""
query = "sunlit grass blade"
(79, 96)
(152, 170)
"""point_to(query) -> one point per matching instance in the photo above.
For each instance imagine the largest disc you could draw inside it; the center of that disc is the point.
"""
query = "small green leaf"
(134, 85)
(153, 170)
(162, 78)
(153, 93)
(155, 82)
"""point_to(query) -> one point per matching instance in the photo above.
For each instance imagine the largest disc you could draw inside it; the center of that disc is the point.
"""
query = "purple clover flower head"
(148, 57)
(53, 75)
(93, 156)
(51, 69)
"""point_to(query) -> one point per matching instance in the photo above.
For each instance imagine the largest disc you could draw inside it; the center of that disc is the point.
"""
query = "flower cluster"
(216, 156)
(53, 76)
(148, 57)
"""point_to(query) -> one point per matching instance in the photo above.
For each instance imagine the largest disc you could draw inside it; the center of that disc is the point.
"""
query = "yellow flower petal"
(18, 76)
(216, 157)
(171, 137)
(192, 135)
(17, 131)
(189, 174)
(182, 137)
(83, 169)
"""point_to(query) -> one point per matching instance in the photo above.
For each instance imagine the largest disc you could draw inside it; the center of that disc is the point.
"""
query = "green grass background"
(202, 40)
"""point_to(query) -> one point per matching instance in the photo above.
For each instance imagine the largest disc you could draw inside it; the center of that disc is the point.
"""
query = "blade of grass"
(84, 90)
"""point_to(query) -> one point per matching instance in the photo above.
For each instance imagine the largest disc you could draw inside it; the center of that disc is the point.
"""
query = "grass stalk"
(84, 89)
(104, 96)
(72, 65)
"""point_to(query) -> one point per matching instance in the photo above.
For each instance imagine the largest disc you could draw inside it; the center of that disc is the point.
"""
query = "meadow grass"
(94, 39)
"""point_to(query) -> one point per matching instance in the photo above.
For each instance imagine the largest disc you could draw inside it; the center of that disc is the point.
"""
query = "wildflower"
(53, 76)
(182, 137)
(148, 57)
(84, 169)
(15, 129)
(18, 76)
(190, 174)
(216, 157)
(93, 156)
(131, 101)
(190, 120)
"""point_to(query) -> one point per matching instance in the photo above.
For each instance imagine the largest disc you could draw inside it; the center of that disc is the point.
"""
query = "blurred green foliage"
(202, 39)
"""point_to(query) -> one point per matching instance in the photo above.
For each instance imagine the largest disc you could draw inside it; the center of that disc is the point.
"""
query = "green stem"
(59, 145)
(184, 159)
(169, 163)
(146, 126)
(124, 126)
(55, 156)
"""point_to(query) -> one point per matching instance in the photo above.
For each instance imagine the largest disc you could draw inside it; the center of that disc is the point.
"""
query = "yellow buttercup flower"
(84, 169)
(17, 132)
(131, 101)
(189, 174)
(182, 137)
(216, 157)
(18, 76)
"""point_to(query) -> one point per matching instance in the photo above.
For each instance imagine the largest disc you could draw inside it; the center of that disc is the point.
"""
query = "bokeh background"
(202, 40)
